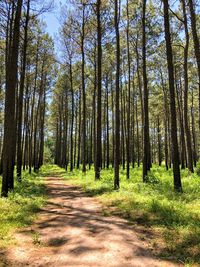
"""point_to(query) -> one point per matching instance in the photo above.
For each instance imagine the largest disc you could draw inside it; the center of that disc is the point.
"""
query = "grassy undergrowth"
(173, 218)
(19, 209)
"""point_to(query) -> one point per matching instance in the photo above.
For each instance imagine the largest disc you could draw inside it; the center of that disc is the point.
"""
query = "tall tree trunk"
(65, 129)
(140, 93)
(117, 112)
(186, 118)
(9, 119)
(76, 133)
(113, 126)
(32, 109)
(83, 92)
(137, 131)
(36, 121)
(99, 74)
(91, 141)
(159, 142)
(175, 152)
(72, 118)
(107, 129)
(193, 132)
(146, 145)
(182, 133)
(26, 130)
(196, 43)
(79, 133)
(20, 99)
(104, 130)
(94, 108)
(122, 131)
(132, 121)
(129, 94)
(42, 123)
(166, 115)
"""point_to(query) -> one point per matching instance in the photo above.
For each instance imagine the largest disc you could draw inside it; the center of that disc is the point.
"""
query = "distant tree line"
(128, 89)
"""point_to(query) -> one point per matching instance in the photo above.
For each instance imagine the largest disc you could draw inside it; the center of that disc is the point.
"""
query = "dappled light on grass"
(20, 208)
(174, 216)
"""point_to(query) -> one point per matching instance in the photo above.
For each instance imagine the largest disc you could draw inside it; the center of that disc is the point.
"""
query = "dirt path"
(71, 231)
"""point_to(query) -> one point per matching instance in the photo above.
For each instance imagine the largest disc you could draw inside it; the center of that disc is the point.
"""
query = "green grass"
(174, 218)
(21, 206)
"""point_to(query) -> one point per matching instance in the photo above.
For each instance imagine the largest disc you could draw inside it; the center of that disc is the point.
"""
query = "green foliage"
(19, 209)
(48, 155)
(198, 170)
(151, 178)
(174, 217)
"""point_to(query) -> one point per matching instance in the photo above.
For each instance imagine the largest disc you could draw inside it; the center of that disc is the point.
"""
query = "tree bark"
(83, 92)
(196, 43)
(20, 99)
(10, 96)
(175, 152)
(186, 118)
(117, 95)
(146, 145)
(99, 74)
(129, 94)
(72, 118)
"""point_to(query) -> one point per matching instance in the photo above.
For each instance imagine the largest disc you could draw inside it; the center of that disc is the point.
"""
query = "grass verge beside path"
(173, 219)
(21, 206)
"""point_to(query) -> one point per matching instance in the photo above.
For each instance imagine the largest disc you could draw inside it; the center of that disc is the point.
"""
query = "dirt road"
(71, 231)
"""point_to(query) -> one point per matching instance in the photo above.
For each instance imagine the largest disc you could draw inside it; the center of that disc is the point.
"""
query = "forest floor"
(71, 230)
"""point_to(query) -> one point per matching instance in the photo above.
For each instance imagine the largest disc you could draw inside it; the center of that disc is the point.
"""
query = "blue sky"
(52, 18)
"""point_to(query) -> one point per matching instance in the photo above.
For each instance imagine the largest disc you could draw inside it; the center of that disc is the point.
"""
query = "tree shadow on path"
(71, 231)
